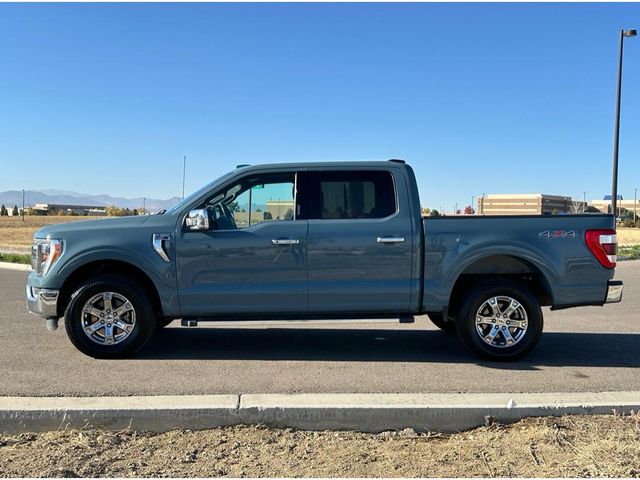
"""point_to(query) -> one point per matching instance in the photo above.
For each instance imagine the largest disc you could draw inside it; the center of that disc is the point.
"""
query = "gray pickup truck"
(318, 241)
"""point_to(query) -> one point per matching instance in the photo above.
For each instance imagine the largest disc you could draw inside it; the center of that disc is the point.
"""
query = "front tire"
(109, 317)
(500, 320)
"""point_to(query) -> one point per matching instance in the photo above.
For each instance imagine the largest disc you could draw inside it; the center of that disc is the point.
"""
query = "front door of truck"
(360, 241)
(253, 258)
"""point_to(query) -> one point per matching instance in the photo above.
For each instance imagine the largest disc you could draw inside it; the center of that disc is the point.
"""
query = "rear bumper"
(42, 301)
(614, 291)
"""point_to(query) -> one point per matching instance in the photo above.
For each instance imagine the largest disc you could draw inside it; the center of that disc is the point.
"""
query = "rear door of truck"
(359, 240)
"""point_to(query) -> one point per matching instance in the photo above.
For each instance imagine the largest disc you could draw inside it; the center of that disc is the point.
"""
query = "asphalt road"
(588, 349)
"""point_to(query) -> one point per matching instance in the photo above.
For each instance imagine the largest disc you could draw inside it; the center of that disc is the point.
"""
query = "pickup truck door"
(253, 259)
(360, 241)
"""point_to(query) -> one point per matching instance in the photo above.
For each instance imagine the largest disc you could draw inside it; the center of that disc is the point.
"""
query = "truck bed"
(552, 247)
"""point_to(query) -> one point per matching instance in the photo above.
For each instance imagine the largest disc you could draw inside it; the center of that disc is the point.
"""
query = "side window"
(348, 195)
(252, 200)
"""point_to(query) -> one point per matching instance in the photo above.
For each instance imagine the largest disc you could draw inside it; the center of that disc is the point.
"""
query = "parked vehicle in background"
(318, 241)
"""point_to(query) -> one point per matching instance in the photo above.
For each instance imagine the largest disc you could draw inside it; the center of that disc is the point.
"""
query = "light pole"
(635, 203)
(184, 169)
(584, 202)
(616, 135)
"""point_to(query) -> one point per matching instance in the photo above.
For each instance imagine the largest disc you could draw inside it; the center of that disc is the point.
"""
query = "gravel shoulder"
(571, 446)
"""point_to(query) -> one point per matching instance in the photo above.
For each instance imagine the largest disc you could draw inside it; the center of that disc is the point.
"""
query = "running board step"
(195, 322)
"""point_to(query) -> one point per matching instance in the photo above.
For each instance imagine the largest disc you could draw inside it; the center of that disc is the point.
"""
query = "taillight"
(604, 246)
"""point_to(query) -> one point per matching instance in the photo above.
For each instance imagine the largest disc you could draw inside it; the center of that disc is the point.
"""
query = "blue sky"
(494, 98)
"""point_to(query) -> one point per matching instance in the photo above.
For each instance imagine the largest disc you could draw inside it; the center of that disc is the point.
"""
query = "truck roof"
(295, 165)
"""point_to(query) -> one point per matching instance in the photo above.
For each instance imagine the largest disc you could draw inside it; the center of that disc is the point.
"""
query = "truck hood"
(60, 229)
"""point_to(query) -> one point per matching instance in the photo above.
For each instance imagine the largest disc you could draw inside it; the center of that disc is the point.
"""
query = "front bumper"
(614, 291)
(42, 301)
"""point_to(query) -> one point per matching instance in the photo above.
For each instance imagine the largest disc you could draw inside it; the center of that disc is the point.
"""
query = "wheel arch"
(510, 267)
(102, 267)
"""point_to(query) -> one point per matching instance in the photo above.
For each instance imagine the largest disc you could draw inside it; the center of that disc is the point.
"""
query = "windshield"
(198, 193)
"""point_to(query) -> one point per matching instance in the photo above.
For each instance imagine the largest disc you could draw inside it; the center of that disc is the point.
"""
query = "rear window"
(348, 195)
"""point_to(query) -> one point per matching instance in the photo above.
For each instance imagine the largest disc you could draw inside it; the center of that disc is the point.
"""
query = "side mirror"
(197, 219)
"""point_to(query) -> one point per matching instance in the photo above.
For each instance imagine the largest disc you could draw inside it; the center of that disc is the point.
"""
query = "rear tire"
(438, 320)
(109, 317)
(500, 320)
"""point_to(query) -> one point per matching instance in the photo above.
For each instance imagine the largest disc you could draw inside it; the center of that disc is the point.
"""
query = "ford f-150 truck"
(318, 241)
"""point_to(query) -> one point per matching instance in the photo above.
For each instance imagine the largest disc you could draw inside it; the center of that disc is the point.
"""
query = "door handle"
(390, 239)
(285, 241)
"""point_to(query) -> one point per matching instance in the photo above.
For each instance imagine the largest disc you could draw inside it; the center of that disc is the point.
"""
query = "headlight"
(44, 254)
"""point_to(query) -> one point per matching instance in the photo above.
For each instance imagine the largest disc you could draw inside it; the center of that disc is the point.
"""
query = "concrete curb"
(156, 414)
(437, 412)
(15, 266)
(361, 412)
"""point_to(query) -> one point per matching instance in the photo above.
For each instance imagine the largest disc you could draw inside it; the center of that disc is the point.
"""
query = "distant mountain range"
(14, 197)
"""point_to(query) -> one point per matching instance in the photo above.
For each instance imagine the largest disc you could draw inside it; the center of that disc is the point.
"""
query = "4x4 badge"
(548, 234)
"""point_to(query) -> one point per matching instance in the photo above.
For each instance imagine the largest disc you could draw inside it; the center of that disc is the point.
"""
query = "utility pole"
(584, 202)
(144, 205)
(23, 204)
(616, 132)
(184, 169)
(635, 204)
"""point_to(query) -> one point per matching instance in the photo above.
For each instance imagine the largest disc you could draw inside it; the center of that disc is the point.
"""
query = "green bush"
(630, 223)
(15, 258)
(631, 252)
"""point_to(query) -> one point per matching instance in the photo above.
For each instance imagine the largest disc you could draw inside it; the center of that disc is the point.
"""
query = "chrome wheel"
(501, 322)
(108, 318)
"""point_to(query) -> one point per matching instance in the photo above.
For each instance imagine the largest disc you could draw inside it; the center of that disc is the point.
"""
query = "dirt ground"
(594, 446)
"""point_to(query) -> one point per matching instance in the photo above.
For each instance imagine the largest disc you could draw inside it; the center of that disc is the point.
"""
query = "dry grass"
(581, 446)
(16, 236)
(628, 236)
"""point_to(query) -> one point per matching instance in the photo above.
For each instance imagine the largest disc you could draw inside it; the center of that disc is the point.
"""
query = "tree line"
(110, 211)
(5, 213)
(427, 212)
